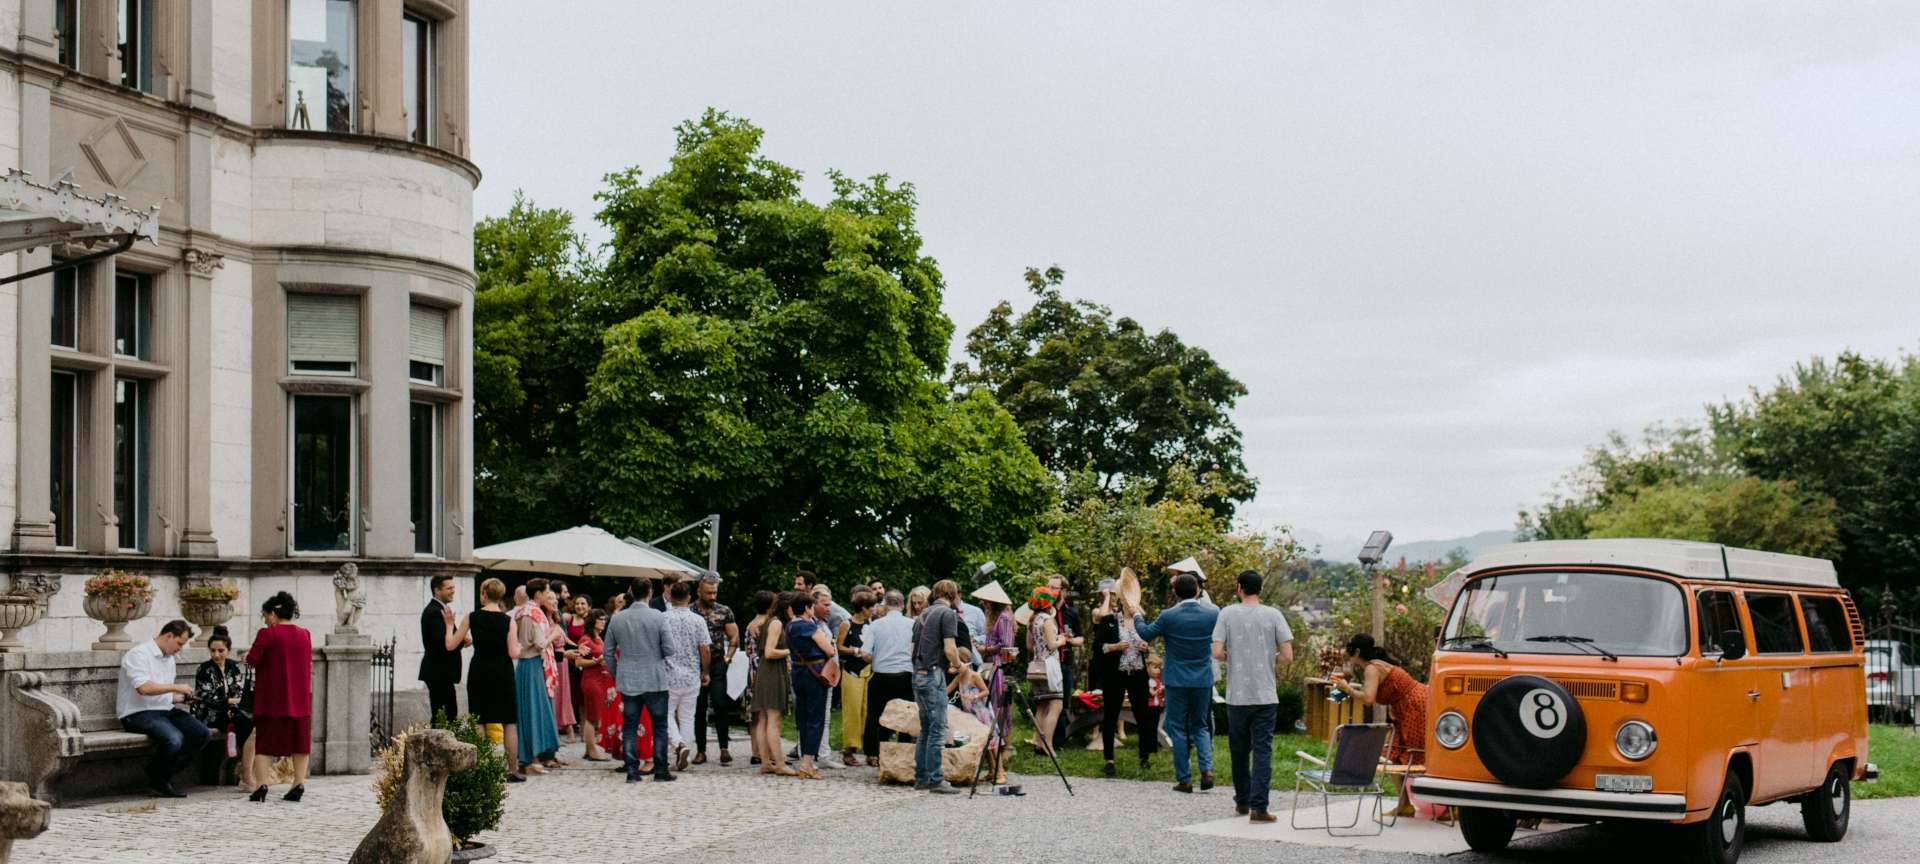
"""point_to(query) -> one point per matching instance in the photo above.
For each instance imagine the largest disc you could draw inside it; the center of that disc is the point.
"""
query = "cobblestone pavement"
(580, 814)
(733, 815)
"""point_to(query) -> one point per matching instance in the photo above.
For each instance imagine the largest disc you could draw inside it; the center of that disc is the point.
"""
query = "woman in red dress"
(599, 700)
(1383, 682)
(282, 657)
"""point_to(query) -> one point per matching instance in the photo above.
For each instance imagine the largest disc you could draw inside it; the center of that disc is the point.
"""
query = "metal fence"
(1893, 667)
(380, 721)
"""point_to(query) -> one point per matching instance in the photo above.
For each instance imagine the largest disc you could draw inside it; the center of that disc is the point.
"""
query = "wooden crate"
(1323, 716)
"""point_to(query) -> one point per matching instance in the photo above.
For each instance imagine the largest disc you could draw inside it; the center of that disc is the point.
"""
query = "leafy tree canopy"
(1093, 392)
(778, 361)
(531, 358)
(1825, 463)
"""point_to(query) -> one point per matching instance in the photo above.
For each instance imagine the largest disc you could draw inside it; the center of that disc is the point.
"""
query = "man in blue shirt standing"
(1187, 628)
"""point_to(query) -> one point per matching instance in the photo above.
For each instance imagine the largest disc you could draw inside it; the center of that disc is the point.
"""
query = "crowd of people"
(641, 679)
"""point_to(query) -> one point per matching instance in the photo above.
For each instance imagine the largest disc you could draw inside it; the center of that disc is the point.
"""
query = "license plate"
(1623, 783)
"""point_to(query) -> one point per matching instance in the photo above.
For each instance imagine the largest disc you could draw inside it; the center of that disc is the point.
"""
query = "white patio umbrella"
(584, 551)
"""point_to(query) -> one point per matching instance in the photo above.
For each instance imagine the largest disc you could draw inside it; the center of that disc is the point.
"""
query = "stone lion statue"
(412, 830)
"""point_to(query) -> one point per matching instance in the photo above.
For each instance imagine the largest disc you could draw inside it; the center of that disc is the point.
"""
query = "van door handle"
(1753, 695)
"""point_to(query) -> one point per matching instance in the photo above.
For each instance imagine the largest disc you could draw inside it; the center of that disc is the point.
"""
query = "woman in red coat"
(282, 657)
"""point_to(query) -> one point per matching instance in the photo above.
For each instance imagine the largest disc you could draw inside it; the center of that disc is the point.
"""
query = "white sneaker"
(833, 762)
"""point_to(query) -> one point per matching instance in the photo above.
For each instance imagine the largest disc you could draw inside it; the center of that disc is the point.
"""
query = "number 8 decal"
(1543, 713)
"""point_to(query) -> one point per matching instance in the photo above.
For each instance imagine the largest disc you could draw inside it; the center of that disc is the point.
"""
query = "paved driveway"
(735, 816)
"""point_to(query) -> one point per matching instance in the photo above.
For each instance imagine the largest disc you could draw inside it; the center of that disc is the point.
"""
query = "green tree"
(1740, 511)
(1848, 429)
(777, 361)
(1618, 467)
(1094, 392)
(531, 359)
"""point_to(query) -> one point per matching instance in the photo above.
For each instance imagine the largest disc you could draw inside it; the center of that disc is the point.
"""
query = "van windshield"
(1601, 614)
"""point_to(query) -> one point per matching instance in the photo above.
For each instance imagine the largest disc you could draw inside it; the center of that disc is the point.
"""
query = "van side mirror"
(1733, 645)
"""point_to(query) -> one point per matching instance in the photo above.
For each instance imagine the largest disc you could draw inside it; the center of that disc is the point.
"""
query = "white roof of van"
(1684, 558)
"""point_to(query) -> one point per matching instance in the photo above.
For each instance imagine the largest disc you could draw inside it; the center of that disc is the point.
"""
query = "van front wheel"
(1718, 839)
(1486, 830)
(1826, 810)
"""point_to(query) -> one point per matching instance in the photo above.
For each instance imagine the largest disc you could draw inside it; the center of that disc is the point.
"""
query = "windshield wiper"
(1476, 642)
(1580, 641)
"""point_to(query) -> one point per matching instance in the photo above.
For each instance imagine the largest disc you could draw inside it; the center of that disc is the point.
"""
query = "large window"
(132, 315)
(63, 446)
(427, 345)
(416, 37)
(136, 44)
(424, 466)
(1776, 630)
(66, 307)
(320, 65)
(1569, 613)
(323, 334)
(130, 432)
(66, 32)
(322, 501)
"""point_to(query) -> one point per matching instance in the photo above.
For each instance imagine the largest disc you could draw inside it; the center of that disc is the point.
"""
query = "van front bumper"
(1650, 806)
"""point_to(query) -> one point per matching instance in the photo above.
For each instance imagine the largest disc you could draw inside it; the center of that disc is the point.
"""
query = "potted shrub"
(207, 605)
(476, 797)
(114, 598)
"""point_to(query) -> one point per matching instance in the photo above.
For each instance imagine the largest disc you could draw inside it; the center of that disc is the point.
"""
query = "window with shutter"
(323, 333)
(427, 345)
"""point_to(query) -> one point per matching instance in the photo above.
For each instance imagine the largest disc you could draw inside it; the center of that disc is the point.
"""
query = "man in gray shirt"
(1251, 638)
(637, 645)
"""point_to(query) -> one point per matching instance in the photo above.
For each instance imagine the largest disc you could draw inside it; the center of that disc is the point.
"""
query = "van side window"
(1717, 615)
(1827, 630)
(1776, 630)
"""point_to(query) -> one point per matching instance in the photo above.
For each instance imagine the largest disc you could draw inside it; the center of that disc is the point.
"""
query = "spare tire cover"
(1529, 731)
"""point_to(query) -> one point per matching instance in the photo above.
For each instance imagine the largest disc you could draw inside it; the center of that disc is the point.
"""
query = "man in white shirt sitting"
(148, 700)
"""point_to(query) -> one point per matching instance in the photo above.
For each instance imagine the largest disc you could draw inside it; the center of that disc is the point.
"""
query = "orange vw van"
(1656, 680)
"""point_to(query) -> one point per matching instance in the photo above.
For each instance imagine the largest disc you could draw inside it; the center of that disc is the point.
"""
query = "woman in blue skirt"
(534, 679)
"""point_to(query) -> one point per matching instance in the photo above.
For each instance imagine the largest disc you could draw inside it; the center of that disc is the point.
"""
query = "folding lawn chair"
(1351, 768)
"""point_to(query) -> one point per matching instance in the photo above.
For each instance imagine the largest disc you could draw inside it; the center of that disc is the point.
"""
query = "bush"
(476, 797)
(1293, 706)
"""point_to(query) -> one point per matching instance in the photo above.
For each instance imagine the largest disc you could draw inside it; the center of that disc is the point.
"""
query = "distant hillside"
(1434, 550)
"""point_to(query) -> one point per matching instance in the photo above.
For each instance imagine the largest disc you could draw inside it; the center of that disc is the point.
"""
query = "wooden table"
(1323, 716)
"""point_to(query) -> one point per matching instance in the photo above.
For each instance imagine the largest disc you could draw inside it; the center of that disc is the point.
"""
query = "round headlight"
(1635, 740)
(1450, 730)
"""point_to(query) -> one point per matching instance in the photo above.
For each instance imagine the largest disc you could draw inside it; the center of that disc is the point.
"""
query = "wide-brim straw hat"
(992, 593)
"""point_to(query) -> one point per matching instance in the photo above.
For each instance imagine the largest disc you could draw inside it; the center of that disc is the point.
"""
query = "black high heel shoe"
(259, 794)
(297, 791)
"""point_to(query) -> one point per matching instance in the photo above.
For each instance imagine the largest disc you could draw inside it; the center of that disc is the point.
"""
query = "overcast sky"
(1447, 246)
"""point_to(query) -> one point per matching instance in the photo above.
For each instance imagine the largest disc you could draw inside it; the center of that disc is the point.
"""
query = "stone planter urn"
(205, 615)
(17, 613)
(115, 612)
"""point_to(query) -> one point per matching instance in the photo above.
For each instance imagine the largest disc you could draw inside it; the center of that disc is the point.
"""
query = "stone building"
(281, 384)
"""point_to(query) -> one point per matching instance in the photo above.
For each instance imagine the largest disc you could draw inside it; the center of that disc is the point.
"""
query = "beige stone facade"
(153, 416)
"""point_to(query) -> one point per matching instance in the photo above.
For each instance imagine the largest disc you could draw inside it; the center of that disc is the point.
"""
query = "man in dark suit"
(439, 663)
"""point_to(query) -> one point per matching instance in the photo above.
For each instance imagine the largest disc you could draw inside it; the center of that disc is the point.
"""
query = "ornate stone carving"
(22, 817)
(40, 586)
(200, 262)
(349, 599)
(53, 730)
(413, 830)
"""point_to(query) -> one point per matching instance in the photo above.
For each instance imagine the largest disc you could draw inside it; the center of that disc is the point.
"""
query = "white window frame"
(353, 485)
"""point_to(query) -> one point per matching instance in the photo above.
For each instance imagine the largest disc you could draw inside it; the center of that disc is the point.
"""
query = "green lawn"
(1896, 749)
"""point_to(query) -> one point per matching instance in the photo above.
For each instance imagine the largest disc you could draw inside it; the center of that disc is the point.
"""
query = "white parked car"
(1893, 679)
